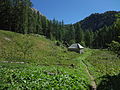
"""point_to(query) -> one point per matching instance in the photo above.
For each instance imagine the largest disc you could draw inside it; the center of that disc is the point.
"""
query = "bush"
(115, 47)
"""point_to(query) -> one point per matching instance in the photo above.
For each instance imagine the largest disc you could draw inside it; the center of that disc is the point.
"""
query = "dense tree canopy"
(97, 21)
(95, 31)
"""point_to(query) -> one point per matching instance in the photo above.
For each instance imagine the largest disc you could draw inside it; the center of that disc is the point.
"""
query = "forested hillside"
(99, 20)
(100, 29)
(95, 31)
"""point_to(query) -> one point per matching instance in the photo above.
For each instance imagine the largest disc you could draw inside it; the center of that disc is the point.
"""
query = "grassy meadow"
(33, 62)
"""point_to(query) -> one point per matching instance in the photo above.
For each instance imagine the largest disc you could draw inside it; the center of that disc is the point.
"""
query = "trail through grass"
(102, 63)
(82, 59)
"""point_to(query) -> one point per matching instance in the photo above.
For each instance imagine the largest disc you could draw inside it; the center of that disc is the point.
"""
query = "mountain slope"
(96, 21)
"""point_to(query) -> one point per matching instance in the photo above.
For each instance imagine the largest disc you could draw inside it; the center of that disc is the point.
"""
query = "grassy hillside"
(33, 49)
(105, 67)
(34, 62)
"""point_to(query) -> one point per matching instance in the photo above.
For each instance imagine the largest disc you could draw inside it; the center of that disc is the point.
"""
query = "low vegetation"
(33, 49)
(18, 76)
(102, 63)
(34, 62)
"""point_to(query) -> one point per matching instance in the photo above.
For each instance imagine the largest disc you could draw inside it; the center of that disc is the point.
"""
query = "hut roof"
(76, 45)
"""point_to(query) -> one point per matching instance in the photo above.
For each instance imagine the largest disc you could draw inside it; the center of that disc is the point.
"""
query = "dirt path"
(93, 83)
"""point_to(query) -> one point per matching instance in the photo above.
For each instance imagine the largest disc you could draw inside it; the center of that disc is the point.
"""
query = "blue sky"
(71, 11)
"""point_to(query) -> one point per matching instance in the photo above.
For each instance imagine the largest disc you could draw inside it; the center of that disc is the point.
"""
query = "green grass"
(103, 62)
(33, 49)
(46, 66)
(19, 76)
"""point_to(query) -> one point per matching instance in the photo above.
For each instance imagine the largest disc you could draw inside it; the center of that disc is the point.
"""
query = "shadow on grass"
(110, 83)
